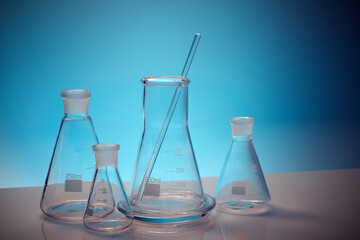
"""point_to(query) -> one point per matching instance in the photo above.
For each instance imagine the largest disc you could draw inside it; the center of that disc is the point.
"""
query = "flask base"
(108, 225)
(67, 212)
(169, 216)
(180, 230)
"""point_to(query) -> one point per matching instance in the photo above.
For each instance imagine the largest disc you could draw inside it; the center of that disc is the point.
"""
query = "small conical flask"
(72, 166)
(241, 187)
(108, 208)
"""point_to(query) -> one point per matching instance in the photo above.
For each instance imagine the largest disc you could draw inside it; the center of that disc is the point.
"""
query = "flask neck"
(76, 101)
(76, 106)
(106, 155)
(241, 126)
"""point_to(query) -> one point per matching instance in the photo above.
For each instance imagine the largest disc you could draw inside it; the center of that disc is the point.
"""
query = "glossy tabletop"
(304, 205)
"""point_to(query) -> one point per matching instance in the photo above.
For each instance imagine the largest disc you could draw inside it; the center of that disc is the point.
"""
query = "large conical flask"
(108, 208)
(72, 166)
(166, 185)
(241, 187)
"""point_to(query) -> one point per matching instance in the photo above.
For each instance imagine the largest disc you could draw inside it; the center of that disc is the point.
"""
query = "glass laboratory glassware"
(72, 166)
(241, 186)
(166, 186)
(108, 208)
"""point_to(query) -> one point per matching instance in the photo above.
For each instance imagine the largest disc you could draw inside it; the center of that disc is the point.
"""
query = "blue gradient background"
(292, 65)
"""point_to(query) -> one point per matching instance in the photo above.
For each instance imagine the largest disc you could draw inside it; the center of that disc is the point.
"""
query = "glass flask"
(108, 208)
(72, 166)
(166, 186)
(241, 187)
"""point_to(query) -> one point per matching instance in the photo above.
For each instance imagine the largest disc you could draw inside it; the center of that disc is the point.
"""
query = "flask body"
(71, 170)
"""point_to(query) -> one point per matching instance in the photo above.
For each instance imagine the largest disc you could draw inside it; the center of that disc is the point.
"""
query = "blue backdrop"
(292, 65)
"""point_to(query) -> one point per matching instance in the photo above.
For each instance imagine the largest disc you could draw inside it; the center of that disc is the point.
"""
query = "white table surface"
(304, 205)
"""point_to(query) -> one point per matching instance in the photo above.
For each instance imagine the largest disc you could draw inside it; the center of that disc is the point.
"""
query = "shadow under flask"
(166, 186)
(72, 166)
(241, 187)
(108, 208)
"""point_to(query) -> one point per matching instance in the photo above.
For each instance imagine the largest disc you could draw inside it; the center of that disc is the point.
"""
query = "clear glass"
(72, 166)
(241, 186)
(108, 208)
(166, 185)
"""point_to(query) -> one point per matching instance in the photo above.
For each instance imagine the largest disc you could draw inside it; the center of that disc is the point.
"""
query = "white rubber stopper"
(106, 154)
(242, 126)
(76, 101)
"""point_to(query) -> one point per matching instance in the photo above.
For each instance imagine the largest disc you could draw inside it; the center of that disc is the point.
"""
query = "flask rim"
(165, 81)
(242, 120)
(75, 94)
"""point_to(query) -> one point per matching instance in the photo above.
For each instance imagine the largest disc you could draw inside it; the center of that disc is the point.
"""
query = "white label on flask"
(152, 189)
(73, 186)
(73, 182)
(238, 190)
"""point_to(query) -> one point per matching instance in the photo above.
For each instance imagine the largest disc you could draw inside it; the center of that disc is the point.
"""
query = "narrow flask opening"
(76, 101)
(106, 154)
(75, 94)
(242, 126)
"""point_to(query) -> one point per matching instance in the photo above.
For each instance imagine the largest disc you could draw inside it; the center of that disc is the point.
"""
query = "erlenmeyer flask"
(241, 186)
(108, 208)
(169, 188)
(72, 166)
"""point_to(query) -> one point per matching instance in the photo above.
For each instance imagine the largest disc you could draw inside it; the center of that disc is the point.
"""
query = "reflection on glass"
(53, 229)
(241, 227)
(191, 230)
